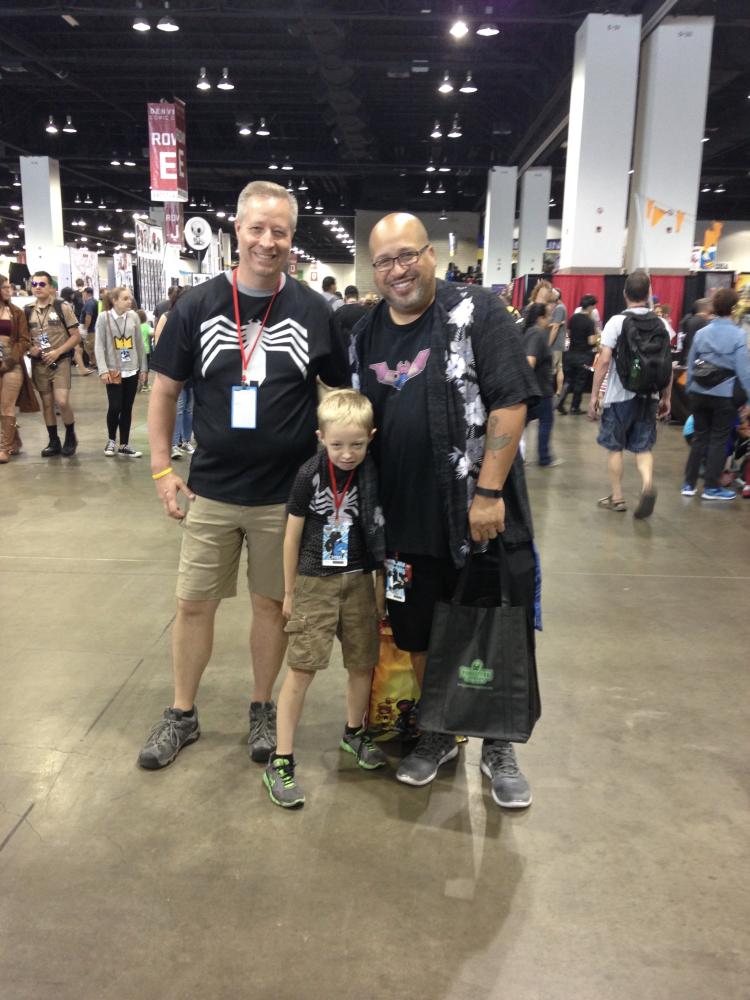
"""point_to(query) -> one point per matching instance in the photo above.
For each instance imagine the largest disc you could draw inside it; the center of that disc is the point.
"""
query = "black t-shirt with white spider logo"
(251, 467)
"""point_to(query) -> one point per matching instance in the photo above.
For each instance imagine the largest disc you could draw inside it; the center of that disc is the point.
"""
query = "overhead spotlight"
(430, 168)
(440, 189)
(140, 23)
(455, 132)
(225, 83)
(286, 165)
(167, 23)
(262, 128)
(468, 86)
(193, 203)
(220, 213)
(326, 222)
(88, 200)
(459, 28)
(446, 87)
(444, 168)
(16, 181)
(77, 199)
(706, 189)
(308, 205)
(488, 29)
(129, 162)
(203, 82)
(102, 203)
(115, 161)
(50, 126)
(426, 189)
(245, 129)
(631, 172)
(552, 203)
(437, 132)
(302, 185)
(83, 239)
(705, 138)
(15, 207)
(82, 223)
(720, 189)
(118, 209)
(74, 222)
(290, 187)
(69, 127)
(319, 206)
(231, 217)
(204, 203)
(273, 165)
(443, 216)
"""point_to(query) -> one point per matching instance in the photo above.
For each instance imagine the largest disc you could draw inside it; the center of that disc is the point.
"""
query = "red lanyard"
(338, 498)
(246, 363)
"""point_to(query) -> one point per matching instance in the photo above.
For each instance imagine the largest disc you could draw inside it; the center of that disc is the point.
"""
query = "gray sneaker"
(282, 786)
(170, 734)
(262, 739)
(510, 789)
(432, 750)
(368, 755)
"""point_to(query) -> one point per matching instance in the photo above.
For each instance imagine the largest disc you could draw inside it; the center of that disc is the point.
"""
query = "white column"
(42, 212)
(499, 218)
(536, 184)
(600, 138)
(675, 65)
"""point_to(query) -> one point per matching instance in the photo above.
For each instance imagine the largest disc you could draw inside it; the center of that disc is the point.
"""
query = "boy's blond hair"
(345, 406)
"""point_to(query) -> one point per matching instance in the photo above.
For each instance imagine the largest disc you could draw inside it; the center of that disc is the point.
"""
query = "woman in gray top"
(122, 365)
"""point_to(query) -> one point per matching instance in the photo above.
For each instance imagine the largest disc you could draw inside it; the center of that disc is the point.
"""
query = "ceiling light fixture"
(487, 30)
(443, 216)
(273, 165)
(705, 138)
(319, 206)
(50, 126)
(286, 165)
(88, 200)
(290, 187)
(302, 185)
(114, 162)
(15, 207)
(69, 127)
(426, 189)
(706, 189)
(16, 181)
(129, 162)
(225, 83)
(455, 132)
(430, 168)
(720, 189)
(167, 23)
(203, 82)
(468, 86)
(459, 28)
(437, 132)
(262, 128)
(446, 87)
(245, 129)
(77, 199)
(440, 189)
(308, 205)
(204, 203)
(140, 23)
(102, 203)
(444, 168)
(326, 222)
(193, 203)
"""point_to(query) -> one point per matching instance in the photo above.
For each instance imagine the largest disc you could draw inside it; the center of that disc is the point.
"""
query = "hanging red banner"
(167, 152)
(173, 228)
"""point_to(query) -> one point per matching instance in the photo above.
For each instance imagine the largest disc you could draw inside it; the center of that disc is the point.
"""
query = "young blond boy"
(334, 540)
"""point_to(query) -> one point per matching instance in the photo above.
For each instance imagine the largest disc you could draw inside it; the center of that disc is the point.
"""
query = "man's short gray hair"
(267, 189)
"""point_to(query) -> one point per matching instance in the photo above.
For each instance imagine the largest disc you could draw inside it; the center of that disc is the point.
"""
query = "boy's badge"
(397, 579)
(336, 543)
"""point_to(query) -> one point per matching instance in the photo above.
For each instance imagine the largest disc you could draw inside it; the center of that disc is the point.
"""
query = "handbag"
(481, 677)
(395, 692)
(709, 375)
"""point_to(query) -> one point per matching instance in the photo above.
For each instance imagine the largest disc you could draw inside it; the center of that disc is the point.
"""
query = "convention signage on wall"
(167, 152)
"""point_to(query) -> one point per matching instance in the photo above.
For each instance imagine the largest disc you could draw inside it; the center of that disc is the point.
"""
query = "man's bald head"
(408, 286)
(397, 225)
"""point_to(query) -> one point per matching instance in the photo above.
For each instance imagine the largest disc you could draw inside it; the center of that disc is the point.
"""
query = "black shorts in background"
(435, 580)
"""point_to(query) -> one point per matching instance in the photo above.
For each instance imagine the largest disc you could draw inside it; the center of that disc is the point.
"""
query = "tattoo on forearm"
(496, 442)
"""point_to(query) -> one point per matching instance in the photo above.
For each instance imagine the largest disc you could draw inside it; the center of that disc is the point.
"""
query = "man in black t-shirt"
(253, 343)
(444, 368)
(696, 322)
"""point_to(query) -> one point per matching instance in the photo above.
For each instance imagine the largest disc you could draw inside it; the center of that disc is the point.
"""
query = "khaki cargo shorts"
(45, 380)
(212, 540)
(341, 605)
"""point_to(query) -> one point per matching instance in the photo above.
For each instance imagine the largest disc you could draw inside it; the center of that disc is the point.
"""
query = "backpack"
(643, 356)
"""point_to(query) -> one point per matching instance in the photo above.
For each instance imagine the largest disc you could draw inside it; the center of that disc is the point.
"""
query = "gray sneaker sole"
(284, 805)
(151, 764)
(507, 803)
(343, 745)
(407, 779)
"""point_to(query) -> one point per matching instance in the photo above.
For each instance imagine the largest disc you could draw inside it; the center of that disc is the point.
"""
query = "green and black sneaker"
(360, 744)
(283, 789)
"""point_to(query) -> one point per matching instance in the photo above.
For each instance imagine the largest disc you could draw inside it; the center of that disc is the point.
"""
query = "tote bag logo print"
(476, 675)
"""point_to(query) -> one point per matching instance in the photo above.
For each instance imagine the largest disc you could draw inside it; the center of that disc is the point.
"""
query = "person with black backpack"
(636, 358)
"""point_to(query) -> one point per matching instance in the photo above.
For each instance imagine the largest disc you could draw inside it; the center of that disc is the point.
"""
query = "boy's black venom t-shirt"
(200, 342)
(312, 498)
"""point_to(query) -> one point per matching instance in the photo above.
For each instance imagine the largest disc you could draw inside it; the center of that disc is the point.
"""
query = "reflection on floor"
(626, 879)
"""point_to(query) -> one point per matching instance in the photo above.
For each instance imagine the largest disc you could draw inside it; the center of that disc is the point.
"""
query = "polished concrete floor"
(626, 880)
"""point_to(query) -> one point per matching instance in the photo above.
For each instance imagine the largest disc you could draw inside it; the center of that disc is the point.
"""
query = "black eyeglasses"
(405, 259)
(38, 284)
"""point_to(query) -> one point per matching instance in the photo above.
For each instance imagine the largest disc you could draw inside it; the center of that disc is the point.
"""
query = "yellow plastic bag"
(395, 692)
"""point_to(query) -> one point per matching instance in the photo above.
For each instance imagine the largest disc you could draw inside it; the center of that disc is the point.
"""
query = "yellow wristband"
(160, 475)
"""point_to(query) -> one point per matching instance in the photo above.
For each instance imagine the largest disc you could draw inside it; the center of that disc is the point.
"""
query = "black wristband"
(481, 491)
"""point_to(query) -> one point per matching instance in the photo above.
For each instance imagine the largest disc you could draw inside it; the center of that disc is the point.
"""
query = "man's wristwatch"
(481, 491)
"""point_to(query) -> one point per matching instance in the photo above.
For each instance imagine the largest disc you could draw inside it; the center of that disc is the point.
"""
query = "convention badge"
(44, 342)
(397, 577)
(244, 407)
(335, 543)
(124, 357)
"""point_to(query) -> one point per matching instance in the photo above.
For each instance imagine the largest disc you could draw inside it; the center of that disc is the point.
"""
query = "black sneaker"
(421, 766)
(171, 733)
(510, 789)
(262, 739)
(53, 448)
(361, 746)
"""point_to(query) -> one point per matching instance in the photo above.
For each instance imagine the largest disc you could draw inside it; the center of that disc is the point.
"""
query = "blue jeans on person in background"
(183, 424)
(543, 411)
